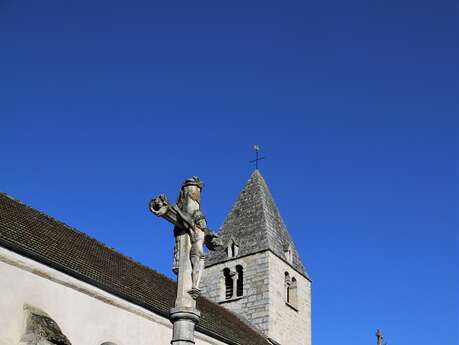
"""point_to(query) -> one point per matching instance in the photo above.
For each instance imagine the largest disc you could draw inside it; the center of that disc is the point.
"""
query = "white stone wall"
(254, 304)
(286, 325)
(85, 314)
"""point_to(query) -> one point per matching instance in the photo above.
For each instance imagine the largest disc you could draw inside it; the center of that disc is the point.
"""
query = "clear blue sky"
(104, 104)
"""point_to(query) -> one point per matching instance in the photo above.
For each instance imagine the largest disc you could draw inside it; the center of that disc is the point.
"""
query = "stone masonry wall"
(288, 326)
(264, 299)
(254, 303)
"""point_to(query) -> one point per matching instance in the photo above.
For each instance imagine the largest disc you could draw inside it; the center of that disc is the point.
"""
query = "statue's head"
(193, 181)
(191, 188)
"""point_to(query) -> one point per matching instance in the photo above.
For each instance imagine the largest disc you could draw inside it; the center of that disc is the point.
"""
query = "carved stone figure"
(191, 233)
(187, 217)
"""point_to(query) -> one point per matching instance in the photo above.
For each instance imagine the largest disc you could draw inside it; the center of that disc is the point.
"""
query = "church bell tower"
(258, 274)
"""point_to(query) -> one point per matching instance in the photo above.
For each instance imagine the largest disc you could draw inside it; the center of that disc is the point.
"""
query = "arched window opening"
(39, 325)
(293, 292)
(240, 281)
(288, 253)
(287, 287)
(229, 251)
(232, 250)
(228, 283)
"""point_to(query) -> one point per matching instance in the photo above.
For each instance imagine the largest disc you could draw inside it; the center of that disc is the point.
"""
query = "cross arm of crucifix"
(161, 207)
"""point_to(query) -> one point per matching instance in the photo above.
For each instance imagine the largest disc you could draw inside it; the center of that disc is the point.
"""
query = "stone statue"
(191, 233)
(188, 218)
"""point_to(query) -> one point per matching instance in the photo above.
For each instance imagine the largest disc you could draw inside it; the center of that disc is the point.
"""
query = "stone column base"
(184, 320)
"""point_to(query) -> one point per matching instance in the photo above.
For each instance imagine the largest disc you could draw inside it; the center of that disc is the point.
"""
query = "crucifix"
(191, 233)
(257, 157)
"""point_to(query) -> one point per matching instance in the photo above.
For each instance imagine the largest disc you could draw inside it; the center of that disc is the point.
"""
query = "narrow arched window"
(240, 281)
(288, 253)
(229, 251)
(228, 283)
(293, 292)
(287, 287)
(232, 249)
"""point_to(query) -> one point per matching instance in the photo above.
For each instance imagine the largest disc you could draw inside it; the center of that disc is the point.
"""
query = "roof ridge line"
(266, 193)
(276, 209)
(260, 182)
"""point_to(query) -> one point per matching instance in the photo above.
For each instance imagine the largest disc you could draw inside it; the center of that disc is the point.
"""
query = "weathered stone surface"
(41, 329)
(263, 303)
(287, 325)
(253, 305)
(190, 234)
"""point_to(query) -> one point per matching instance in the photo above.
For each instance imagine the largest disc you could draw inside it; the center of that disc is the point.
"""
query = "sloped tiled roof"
(44, 239)
(255, 224)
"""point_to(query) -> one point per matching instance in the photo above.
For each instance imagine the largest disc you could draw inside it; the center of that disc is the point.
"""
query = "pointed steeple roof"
(255, 224)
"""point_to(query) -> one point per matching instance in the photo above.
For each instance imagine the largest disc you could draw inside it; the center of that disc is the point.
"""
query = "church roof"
(255, 224)
(34, 234)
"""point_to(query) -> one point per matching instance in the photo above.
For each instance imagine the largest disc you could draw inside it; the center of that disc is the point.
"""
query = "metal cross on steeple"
(257, 157)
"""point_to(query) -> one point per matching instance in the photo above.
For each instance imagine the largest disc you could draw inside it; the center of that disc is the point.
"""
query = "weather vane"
(257, 156)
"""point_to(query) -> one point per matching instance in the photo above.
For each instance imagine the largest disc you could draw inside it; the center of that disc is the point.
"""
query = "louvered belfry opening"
(228, 283)
(240, 281)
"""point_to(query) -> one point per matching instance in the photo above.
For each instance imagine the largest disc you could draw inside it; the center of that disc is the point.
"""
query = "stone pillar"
(184, 280)
(184, 321)
(235, 276)
(184, 316)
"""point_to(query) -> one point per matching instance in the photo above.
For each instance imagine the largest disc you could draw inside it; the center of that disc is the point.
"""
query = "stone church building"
(60, 286)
